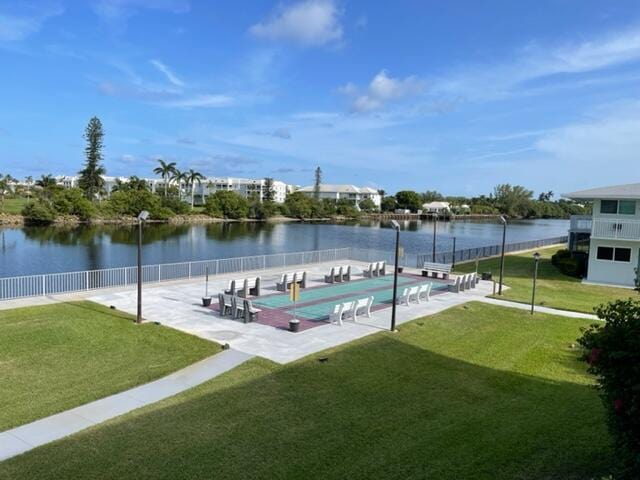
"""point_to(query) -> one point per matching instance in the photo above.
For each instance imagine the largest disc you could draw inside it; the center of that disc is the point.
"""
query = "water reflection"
(30, 250)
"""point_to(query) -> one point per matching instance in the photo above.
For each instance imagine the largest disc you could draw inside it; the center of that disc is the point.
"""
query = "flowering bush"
(612, 350)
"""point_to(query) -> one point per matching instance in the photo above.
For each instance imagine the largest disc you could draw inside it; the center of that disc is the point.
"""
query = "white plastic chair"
(424, 293)
(336, 315)
(404, 297)
(413, 295)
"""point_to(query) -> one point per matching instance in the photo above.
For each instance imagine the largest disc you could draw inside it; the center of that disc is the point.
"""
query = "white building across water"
(342, 192)
(610, 237)
(246, 187)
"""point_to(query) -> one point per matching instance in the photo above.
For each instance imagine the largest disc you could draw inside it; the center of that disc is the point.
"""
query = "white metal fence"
(70, 282)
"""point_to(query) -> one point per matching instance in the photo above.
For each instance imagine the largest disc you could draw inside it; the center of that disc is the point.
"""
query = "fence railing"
(72, 282)
(616, 229)
(469, 254)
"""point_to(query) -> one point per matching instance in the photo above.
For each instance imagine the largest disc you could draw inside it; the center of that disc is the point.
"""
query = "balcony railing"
(580, 223)
(616, 229)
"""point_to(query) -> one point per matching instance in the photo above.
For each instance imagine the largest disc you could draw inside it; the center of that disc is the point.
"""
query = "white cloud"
(310, 22)
(200, 101)
(537, 62)
(381, 90)
(17, 27)
(116, 9)
(167, 73)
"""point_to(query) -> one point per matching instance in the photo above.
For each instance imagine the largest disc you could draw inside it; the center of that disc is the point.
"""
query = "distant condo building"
(348, 192)
(244, 186)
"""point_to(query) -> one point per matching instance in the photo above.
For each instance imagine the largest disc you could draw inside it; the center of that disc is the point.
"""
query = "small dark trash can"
(294, 325)
(400, 269)
(206, 301)
(486, 276)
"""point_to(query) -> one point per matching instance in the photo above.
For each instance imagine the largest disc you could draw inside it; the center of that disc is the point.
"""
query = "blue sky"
(453, 96)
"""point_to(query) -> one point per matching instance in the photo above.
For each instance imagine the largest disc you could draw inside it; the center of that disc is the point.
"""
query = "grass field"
(13, 206)
(476, 392)
(56, 357)
(553, 288)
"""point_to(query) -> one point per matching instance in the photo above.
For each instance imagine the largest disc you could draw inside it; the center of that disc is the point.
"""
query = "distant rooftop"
(627, 191)
(327, 188)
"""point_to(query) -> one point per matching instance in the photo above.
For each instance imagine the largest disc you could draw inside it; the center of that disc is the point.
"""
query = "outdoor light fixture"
(503, 220)
(142, 217)
(536, 259)
(396, 227)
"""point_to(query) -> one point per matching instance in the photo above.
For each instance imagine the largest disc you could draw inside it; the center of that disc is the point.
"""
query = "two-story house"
(614, 243)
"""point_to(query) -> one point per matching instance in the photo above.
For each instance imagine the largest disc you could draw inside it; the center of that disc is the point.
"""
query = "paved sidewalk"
(26, 437)
(537, 308)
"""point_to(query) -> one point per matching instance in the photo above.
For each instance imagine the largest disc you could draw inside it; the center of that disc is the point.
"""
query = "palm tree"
(29, 181)
(192, 177)
(166, 171)
(46, 181)
(178, 177)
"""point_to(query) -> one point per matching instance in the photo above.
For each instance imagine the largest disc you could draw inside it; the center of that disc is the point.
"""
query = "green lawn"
(13, 205)
(56, 357)
(553, 288)
(476, 392)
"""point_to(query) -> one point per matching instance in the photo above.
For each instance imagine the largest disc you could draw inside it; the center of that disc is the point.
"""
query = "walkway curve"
(26, 437)
(539, 309)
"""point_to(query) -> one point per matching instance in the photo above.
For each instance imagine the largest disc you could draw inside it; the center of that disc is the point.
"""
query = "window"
(605, 253)
(620, 207)
(617, 254)
(622, 255)
(609, 206)
(627, 207)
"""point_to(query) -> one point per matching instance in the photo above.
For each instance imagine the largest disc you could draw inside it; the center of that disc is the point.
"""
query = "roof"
(627, 191)
(434, 205)
(327, 188)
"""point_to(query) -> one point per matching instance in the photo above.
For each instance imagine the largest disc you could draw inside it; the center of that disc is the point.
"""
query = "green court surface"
(336, 290)
(319, 311)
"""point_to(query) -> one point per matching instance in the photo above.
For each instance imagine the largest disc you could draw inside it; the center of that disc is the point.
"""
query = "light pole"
(504, 238)
(453, 254)
(396, 227)
(142, 217)
(435, 224)
(536, 259)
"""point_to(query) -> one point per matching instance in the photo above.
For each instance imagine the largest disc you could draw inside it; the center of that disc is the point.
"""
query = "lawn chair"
(225, 305)
(244, 291)
(339, 275)
(455, 287)
(424, 293)
(346, 273)
(336, 315)
(376, 271)
(369, 271)
(474, 280)
(238, 308)
(382, 271)
(331, 277)
(347, 309)
(255, 290)
(467, 285)
(362, 307)
(231, 289)
(413, 295)
(250, 312)
(303, 281)
(281, 286)
(404, 297)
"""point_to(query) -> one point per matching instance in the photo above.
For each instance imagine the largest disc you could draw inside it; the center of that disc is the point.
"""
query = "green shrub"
(38, 213)
(227, 204)
(72, 202)
(563, 261)
(132, 202)
(176, 205)
(612, 350)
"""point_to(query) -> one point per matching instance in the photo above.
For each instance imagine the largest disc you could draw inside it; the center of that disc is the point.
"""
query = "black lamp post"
(396, 227)
(453, 254)
(503, 220)
(142, 217)
(435, 224)
(536, 259)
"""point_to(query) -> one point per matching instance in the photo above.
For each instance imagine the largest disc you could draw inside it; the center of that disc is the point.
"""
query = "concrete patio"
(177, 305)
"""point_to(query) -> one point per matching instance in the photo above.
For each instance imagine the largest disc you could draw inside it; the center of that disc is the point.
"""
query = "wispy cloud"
(16, 27)
(199, 101)
(537, 62)
(171, 77)
(310, 22)
(381, 90)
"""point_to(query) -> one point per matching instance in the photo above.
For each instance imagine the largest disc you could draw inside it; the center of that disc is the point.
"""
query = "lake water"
(33, 250)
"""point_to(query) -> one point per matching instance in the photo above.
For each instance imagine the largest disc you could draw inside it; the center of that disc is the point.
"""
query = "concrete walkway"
(537, 308)
(26, 437)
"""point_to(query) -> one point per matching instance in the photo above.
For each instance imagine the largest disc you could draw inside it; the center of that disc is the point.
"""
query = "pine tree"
(91, 181)
(268, 195)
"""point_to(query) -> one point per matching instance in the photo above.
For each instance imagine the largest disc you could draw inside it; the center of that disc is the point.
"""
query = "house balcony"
(618, 229)
(580, 224)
